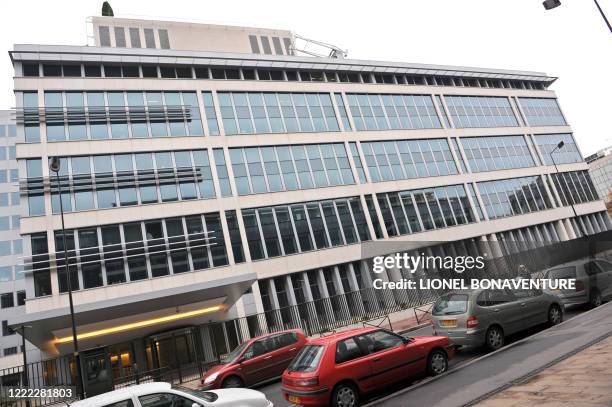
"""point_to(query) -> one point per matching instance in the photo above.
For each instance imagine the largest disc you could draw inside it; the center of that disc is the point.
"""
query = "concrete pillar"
(341, 298)
(259, 307)
(242, 324)
(385, 300)
(278, 319)
(354, 294)
(569, 229)
(313, 320)
(561, 231)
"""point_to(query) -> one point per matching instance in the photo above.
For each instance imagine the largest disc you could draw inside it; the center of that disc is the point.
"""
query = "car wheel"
(495, 338)
(595, 300)
(555, 316)
(232, 382)
(345, 395)
(437, 363)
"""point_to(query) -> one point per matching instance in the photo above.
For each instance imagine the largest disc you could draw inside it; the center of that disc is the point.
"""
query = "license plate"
(448, 323)
(294, 399)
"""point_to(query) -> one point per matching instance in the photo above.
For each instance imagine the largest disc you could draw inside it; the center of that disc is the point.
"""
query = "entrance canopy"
(124, 318)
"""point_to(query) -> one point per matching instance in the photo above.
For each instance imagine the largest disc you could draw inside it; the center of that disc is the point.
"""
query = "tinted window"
(123, 403)
(591, 268)
(287, 339)
(381, 340)
(496, 297)
(257, 348)
(604, 265)
(347, 350)
(523, 294)
(451, 304)
(307, 360)
(562, 273)
(164, 400)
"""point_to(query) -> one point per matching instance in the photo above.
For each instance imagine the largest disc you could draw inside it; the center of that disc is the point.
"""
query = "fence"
(315, 317)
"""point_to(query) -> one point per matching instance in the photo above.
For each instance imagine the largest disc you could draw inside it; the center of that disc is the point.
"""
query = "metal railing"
(314, 317)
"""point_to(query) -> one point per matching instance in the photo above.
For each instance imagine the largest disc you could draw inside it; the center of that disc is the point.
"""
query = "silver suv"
(593, 281)
(486, 317)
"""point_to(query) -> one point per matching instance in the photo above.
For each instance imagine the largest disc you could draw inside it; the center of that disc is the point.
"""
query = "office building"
(12, 282)
(600, 167)
(217, 183)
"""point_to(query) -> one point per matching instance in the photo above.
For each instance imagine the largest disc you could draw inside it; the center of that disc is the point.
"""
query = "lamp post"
(559, 147)
(551, 4)
(55, 167)
(26, 380)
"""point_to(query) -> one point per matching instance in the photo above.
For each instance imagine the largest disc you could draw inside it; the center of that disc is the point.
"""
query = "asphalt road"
(485, 376)
(274, 394)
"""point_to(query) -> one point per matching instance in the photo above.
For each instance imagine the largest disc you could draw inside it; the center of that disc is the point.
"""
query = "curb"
(501, 388)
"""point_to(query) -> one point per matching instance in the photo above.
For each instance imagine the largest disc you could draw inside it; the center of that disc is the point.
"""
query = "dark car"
(338, 369)
(593, 281)
(255, 361)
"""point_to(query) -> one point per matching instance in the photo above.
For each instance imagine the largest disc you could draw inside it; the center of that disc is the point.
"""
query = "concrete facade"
(12, 277)
(270, 276)
(600, 166)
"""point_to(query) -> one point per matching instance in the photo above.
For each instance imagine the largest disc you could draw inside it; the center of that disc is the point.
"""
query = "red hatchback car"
(337, 369)
(255, 361)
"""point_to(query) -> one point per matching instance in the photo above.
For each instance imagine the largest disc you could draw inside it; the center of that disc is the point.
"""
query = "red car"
(255, 361)
(337, 369)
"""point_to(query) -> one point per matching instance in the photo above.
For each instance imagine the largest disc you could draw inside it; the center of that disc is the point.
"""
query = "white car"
(164, 395)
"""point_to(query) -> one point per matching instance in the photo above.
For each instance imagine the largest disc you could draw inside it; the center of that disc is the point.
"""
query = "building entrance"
(177, 352)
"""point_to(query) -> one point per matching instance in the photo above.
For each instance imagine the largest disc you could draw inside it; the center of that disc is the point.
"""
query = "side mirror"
(406, 340)
(195, 405)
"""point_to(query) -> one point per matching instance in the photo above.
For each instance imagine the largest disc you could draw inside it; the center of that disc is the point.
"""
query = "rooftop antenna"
(332, 50)
(107, 10)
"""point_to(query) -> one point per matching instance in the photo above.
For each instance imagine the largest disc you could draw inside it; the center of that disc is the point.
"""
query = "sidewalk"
(582, 380)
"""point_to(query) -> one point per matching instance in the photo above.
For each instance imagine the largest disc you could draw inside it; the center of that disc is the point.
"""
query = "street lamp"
(551, 4)
(55, 167)
(559, 147)
(26, 381)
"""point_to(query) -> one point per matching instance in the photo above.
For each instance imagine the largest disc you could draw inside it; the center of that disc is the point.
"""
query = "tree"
(107, 10)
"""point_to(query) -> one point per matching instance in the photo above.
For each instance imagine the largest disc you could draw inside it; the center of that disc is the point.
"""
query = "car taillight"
(579, 285)
(472, 322)
(304, 381)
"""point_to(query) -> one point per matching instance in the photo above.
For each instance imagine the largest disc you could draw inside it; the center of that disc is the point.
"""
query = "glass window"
(380, 340)
(542, 112)
(347, 350)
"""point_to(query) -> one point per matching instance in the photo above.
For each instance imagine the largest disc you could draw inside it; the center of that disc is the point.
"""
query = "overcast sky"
(571, 42)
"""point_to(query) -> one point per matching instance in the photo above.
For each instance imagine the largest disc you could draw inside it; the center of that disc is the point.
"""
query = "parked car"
(163, 395)
(486, 317)
(593, 281)
(255, 361)
(339, 368)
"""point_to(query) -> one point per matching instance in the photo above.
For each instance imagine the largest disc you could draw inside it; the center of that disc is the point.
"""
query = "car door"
(503, 310)
(254, 363)
(393, 358)
(353, 361)
(530, 307)
(278, 354)
(287, 349)
(605, 278)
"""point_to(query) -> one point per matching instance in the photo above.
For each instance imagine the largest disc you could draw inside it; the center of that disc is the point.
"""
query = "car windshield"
(562, 273)
(307, 360)
(233, 355)
(207, 396)
(451, 304)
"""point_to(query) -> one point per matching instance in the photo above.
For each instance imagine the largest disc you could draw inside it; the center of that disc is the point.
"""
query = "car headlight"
(211, 378)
